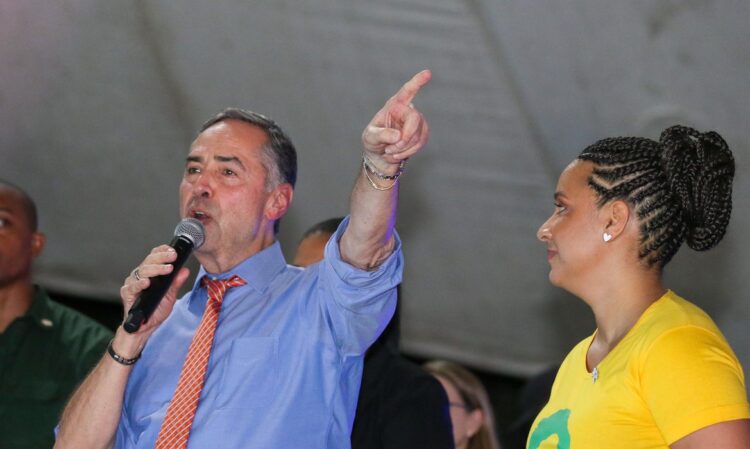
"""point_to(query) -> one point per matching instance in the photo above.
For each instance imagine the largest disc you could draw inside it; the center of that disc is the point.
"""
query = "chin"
(555, 278)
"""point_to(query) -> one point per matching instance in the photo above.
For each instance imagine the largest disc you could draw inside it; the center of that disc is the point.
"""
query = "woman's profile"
(656, 372)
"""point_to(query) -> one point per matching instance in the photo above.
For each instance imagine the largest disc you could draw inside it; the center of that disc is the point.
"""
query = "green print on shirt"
(555, 424)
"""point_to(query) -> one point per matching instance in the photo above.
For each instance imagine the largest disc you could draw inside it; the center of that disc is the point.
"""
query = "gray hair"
(279, 156)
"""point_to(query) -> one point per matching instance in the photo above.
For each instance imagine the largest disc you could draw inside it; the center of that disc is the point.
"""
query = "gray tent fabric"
(100, 101)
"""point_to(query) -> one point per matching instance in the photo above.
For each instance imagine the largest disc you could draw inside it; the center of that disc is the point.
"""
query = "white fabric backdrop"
(100, 100)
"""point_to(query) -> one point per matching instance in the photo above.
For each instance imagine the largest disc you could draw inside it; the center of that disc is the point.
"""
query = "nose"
(203, 187)
(544, 233)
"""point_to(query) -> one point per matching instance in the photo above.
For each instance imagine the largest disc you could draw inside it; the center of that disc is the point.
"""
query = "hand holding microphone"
(188, 235)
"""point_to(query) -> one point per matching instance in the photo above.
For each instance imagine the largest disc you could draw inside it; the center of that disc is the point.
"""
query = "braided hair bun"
(680, 187)
(699, 169)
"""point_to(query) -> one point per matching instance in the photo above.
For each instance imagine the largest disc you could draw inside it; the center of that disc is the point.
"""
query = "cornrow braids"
(680, 187)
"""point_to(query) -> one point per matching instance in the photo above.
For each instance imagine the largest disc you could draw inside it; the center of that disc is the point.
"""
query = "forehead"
(315, 242)
(231, 137)
(10, 200)
(311, 248)
(575, 178)
(12, 203)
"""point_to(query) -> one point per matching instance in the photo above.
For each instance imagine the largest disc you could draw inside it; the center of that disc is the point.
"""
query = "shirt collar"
(39, 311)
(257, 270)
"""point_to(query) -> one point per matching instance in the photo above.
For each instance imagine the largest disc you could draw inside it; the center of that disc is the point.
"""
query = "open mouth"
(199, 215)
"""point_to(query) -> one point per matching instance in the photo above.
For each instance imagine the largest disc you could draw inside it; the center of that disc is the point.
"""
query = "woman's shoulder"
(677, 328)
(671, 312)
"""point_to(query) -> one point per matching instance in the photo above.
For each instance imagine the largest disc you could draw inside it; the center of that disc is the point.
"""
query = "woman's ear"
(615, 217)
(474, 422)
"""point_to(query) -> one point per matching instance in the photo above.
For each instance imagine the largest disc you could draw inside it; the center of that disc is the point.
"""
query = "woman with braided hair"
(656, 372)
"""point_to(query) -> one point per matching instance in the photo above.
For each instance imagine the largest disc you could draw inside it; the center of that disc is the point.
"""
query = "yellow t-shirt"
(672, 374)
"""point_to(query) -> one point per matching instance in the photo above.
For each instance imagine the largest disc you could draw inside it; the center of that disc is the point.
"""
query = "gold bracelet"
(373, 169)
(372, 182)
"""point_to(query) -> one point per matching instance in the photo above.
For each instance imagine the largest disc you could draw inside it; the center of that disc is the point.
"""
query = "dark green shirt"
(44, 355)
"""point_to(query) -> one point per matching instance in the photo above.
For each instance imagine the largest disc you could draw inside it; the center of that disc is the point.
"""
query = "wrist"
(381, 167)
(127, 346)
(119, 358)
(380, 180)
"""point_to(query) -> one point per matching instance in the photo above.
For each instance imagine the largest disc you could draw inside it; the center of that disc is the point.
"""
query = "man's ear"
(616, 215)
(279, 201)
(37, 243)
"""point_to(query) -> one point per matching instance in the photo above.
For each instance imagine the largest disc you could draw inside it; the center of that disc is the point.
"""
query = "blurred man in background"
(45, 347)
(400, 405)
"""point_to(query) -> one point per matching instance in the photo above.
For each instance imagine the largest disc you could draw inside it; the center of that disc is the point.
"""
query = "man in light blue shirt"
(286, 360)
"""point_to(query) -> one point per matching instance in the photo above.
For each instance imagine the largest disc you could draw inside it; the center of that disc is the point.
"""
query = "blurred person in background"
(400, 405)
(470, 408)
(46, 348)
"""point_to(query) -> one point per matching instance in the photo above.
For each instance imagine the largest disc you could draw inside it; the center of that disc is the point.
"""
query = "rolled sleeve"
(359, 303)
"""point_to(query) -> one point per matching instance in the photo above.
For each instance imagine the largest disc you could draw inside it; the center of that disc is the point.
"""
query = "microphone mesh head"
(191, 229)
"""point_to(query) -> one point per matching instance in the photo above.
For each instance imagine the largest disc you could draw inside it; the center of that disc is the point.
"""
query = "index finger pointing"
(409, 90)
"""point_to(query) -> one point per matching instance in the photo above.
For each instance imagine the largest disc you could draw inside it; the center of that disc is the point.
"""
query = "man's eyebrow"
(219, 158)
(559, 195)
(234, 159)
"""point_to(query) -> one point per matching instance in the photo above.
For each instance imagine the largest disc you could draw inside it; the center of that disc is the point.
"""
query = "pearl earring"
(606, 236)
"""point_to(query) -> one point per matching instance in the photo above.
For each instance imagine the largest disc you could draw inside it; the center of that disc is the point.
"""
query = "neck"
(620, 303)
(223, 261)
(15, 300)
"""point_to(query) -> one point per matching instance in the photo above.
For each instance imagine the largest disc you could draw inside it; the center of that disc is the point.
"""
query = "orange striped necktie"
(175, 428)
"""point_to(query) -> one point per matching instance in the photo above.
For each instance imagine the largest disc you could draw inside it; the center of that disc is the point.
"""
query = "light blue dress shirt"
(286, 361)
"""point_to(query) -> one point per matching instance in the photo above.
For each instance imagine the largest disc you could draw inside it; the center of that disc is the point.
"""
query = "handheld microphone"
(188, 235)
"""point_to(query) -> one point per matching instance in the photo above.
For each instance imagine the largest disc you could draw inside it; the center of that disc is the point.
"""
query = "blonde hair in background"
(474, 395)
